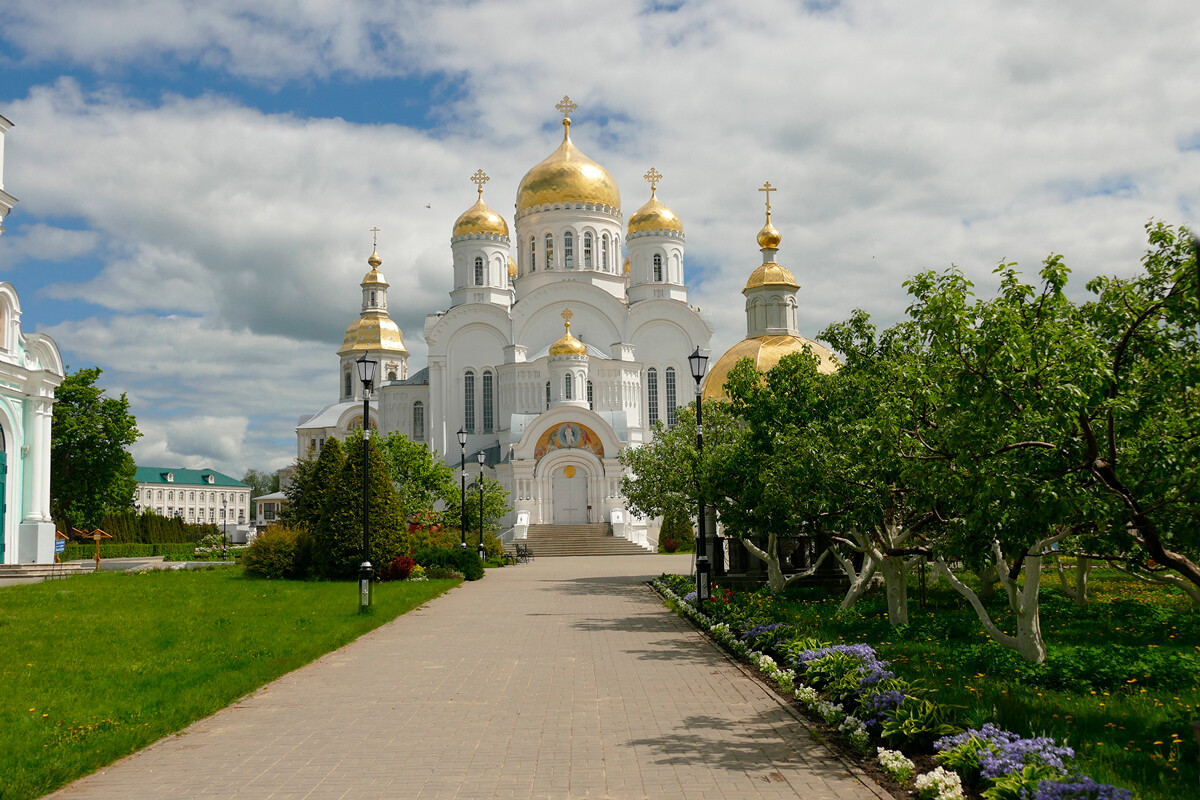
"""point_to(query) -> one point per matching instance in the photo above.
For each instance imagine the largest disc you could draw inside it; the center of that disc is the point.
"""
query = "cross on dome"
(479, 179)
(566, 315)
(566, 107)
(653, 176)
(768, 188)
(375, 238)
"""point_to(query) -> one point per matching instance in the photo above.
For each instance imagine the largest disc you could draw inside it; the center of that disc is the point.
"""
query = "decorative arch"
(569, 435)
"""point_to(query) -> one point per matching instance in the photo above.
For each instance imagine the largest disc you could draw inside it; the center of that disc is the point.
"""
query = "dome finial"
(479, 179)
(653, 176)
(566, 315)
(768, 237)
(566, 107)
(375, 260)
(568, 344)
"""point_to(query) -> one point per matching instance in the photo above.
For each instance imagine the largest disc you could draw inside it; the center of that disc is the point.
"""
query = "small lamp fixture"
(698, 361)
(462, 438)
(366, 371)
(482, 457)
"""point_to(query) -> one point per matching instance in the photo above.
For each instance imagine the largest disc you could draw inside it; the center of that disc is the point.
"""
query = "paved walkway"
(563, 678)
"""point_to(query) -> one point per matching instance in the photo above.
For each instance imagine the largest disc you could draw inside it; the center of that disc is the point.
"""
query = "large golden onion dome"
(766, 352)
(567, 176)
(372, 334)
(479, 218)
(654, 216)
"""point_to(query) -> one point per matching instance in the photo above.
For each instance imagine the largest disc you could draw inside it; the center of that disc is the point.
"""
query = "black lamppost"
(366, 374)
(224, 529)
(462, 467)
(482, 457)
(698, 361)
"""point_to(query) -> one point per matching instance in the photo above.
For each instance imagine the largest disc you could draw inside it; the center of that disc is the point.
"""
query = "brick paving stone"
(563, 678)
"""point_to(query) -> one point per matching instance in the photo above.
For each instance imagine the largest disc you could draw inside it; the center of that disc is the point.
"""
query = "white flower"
(895, 764)
(940, 784)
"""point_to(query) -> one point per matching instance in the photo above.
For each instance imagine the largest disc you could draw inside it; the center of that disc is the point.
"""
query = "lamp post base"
(365, 589)
(703, 579)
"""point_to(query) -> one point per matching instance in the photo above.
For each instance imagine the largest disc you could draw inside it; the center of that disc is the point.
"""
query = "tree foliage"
(91, 472)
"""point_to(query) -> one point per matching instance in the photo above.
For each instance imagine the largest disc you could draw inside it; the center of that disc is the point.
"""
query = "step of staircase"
(558, 541)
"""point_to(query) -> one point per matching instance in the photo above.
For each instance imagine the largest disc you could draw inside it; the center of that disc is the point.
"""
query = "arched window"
(604, 252)
(391, 374)
(532, 254)
(652, 395)
(670, 397)
(657, 268)
(587, 251)
(567, 387)
(591, 397)
(547, 394)
(478, 270)
(418, 421)
(549, 251)
(348, 386)
(569, 250)
(488, 410)
(469, 401)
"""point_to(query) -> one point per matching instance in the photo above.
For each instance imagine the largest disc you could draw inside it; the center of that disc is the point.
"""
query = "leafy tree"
(495, 505)
(91, 472)
(312, 481)
(421, 479)
(260, 482)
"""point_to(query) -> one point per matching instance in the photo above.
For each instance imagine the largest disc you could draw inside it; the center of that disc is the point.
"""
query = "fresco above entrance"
(567, 436)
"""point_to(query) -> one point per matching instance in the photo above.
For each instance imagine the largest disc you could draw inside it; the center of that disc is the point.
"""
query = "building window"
(391, 374)
(160, 494)
(657, 268)
(547, 394)
(591, 397)
(347, 386)
(478, 270)
(488, 412)
(604, 252)
(532, 254)
(170, 495)
(549, 251)
(372, 297)
(670, 397)
(469, 401)
(652, 394)
(418, 421)
(587, 251)
(569, 250)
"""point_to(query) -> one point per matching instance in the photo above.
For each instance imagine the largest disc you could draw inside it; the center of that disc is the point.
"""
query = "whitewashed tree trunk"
(987, 581)
(1078, 591)
(859, 579)
(894, 570)
(776, 580)
(1163, 579)
(1022, 599)
(895, 581)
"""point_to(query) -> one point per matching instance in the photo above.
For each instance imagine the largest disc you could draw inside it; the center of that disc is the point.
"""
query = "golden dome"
(567, 345)
(512, 268)
(479, 218)
(626, 265)
(375, 261)
(654, 216)
(771, 274)
(374, 277)
(567, 176)
(766, 351)
(768, 237)
(372, 334)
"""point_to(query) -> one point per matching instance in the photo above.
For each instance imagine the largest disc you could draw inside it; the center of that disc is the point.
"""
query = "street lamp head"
(366, 370)
(698, 361)
(462, 437)
(482, 457)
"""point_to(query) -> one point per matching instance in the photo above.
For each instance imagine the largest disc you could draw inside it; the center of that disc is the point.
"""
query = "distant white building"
(267, 509)
(196, 496)
(30, 370)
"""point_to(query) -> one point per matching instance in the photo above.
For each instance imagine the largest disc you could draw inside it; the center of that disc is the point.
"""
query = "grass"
(95, 667)
(1120, 684)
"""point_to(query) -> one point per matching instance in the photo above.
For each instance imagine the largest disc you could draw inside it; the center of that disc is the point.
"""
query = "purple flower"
(876, 706)
(690, 597)
(1080, 788)
(871, 670)
(760, 630)
(988, 733)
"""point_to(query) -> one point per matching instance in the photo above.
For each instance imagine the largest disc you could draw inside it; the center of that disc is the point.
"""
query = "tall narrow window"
(372, 298)
(591, 397)
(418, 421)
(587, 251)
(547, 394)
(348, 390)
(657, 268)
(549, 251)
(532, 254)
(488, 412)
(567, 387)
(604, 252)
(670, 397)
(569, 250)
(652, 395)
(469, 401)
(478, 270)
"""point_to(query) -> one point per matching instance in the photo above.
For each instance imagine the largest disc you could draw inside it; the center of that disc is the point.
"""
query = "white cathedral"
(554, 362)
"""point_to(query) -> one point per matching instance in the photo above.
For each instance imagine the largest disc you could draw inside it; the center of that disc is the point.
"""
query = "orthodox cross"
(768, 188)
(654, 176)
(566, 107)
(479, 179)
(375, 238)
(566, 315)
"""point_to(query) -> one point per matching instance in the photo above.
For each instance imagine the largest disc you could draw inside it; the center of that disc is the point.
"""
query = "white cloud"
(46, 243)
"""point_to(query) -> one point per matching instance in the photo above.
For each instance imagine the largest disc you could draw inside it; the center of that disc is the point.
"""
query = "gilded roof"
(372, 334)
(771, 274)
(567, 176)
(766, 351)
(512, 267)
(374, 278)
(654, 216)
(480, 218)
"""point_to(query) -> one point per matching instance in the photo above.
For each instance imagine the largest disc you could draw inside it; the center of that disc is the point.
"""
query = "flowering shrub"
(941, 784)
(895, 764)
(991, 752)
(400, 568)
(878, 705)
(1080, 788)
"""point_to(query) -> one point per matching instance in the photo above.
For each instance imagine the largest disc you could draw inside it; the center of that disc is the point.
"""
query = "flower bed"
(855, 692)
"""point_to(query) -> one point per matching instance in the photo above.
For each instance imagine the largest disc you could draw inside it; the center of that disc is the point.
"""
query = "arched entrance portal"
(569, 494)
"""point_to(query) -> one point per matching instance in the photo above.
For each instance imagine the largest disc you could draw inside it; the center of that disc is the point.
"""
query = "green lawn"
(95, 667)
(1120, 684)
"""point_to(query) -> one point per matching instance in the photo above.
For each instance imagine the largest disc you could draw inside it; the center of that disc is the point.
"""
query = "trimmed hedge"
(86, 552)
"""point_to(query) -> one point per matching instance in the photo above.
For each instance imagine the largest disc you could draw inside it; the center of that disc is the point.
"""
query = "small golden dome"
(766, 351)
(626, 265)
(771, 274)
(375, 261)
(374, 277)
(479, 218)
(567, 176)
(512, 268)
(654, 216)
(373, 334)
(768, 237)
(567, 345)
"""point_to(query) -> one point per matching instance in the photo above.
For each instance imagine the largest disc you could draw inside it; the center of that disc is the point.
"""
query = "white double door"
(570, 497)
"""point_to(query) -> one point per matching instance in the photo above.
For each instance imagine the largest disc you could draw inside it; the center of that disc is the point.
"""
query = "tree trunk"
(987, 582)
(895, 578)
(859, 579)
(1078, 591)
(776, 580)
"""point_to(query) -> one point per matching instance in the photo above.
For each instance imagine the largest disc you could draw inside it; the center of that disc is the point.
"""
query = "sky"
(197, 180)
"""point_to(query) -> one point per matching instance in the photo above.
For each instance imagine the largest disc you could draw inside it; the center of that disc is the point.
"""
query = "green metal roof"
(188, 477)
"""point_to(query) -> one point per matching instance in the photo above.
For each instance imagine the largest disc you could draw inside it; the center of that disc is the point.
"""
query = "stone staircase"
(552, 541)
(11, 574)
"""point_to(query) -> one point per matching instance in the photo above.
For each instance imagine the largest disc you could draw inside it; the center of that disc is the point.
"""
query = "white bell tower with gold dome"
(655, 241)
(480, 245)
(373, 334)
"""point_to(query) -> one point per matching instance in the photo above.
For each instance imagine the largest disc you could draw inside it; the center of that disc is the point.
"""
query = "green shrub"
(918, 723)
(273, 554)
(462, 560)
(87, 551)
